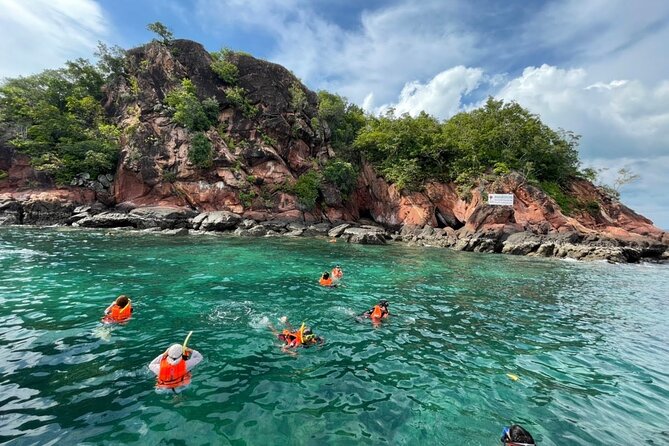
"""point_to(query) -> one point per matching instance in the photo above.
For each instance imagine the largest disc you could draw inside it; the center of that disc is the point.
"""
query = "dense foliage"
(407, 150)
(341, 174)
(57, 119)
(495, 138)
(189, 111)
(509, 134)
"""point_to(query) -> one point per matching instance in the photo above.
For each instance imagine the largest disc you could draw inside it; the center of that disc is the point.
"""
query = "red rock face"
(439, 205)
(77, 195)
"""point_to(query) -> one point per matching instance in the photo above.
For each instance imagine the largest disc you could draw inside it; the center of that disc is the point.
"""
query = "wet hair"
(326, 275)
(307, 331)
(517, 433)
(122, 301)
(383, 303)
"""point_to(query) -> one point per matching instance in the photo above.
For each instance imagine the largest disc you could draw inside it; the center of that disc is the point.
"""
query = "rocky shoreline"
(182, 221)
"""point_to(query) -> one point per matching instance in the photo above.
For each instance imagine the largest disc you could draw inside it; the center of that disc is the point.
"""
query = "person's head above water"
(174, 353)
(516, 435)
(122, 300)
(383, 303)
(326, 275)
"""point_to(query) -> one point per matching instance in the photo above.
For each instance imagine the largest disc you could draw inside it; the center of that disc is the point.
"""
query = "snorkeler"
(304, 337)
(119, 311)
(378, 312)
(516, 436)
(172, 368)
(337, 273)
(326, 280)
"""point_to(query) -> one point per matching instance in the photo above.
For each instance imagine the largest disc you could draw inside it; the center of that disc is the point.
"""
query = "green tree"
(111, 61)
(237, 97)
(344, 120)
(161, 30)
(57, 119)
(298, 99)
(407, 150)
(507, 133)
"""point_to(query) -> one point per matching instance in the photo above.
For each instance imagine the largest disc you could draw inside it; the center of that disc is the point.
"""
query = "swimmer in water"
(516, 436)
(172, 368)
(119, 311)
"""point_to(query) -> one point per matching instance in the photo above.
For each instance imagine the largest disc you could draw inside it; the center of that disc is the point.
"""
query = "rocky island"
(176, 138)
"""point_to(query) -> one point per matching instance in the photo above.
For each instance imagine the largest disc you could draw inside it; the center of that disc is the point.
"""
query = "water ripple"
(587, 343)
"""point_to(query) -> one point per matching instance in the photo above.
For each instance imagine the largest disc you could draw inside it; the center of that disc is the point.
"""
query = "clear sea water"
(587, 341)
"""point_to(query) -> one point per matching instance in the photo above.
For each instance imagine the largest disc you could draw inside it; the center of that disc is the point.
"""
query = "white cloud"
(40, 34)
(613, 117)
(404, 41)
(441, 96)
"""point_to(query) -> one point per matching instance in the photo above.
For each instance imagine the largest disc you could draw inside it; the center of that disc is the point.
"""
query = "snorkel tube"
(183, 346)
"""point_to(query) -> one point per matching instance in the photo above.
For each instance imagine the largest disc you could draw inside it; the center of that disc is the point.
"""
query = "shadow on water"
(587, 342)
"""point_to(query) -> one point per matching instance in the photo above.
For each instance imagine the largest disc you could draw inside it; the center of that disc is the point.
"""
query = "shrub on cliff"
(237, 96)
(226, 70)
(341, 174)
(200, 153)
(306, 188)
(187, 109)
(162, 31)
(298, 99)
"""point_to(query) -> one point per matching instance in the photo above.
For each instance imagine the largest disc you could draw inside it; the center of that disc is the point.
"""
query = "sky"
(595, 67)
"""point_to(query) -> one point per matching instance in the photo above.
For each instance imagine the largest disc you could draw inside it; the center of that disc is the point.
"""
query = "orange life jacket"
(118, 314)
(172, 375)
(325, 282)
(121, 314)
(289, 336)
(377, 313)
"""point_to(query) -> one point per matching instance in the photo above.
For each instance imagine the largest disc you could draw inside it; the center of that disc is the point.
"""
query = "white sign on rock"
(500, 199)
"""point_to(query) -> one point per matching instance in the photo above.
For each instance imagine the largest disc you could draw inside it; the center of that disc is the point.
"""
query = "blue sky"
(597, 67)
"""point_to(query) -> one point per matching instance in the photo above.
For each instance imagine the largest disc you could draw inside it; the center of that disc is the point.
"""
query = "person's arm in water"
(154, 366)
(109, 308)
(194, 358)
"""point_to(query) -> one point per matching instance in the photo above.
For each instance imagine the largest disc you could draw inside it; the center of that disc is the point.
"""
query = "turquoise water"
(588, 342)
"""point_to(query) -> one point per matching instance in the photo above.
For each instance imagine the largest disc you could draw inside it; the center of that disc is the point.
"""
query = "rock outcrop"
(258, 155)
